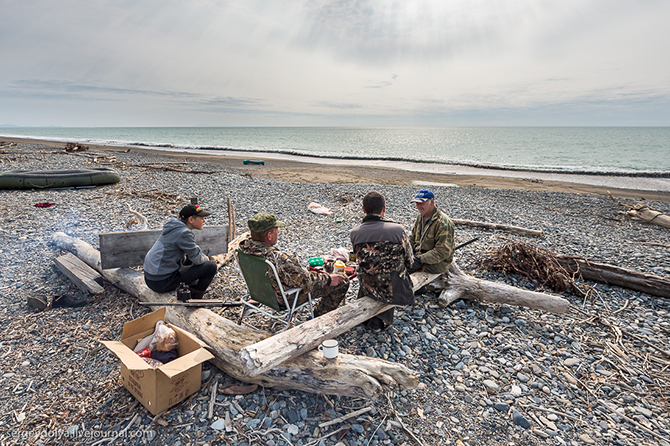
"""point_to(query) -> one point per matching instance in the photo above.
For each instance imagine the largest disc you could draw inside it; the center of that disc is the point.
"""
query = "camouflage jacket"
(383, 253)
(434, 242)
(291, 273)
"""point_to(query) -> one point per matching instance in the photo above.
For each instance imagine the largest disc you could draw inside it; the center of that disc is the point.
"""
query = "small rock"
(491, 385)
(501, 407)
(515, 391)
(219, 424)
(520, 420)
(571, 361)
(586, 439)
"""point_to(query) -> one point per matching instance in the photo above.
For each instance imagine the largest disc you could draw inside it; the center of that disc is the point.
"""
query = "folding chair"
(256, 272)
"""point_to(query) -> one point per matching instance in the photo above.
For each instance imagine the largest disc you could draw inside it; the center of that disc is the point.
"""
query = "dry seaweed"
(537, 264)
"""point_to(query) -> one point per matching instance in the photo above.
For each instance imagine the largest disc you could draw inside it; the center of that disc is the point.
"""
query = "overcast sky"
(334, 63)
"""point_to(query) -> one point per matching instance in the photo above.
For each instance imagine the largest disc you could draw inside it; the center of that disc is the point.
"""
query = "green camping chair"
(256, 272)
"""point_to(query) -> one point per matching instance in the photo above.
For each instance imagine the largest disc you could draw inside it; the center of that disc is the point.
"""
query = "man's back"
(383, 253)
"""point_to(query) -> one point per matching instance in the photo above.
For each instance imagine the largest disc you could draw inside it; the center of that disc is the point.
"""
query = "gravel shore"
(491, 374)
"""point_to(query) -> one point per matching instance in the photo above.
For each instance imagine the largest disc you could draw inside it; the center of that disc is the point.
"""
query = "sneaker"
(37, 302)
(68, 301)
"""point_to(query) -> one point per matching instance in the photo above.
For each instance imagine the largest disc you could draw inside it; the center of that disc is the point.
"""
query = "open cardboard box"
(161, 388)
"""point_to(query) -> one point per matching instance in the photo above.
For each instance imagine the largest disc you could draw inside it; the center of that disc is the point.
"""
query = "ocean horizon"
(615, 151)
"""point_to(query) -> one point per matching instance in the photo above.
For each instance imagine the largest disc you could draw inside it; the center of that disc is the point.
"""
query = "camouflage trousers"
(330, 297)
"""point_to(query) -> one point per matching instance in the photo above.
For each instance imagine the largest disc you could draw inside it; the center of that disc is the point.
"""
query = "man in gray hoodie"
(164, 267)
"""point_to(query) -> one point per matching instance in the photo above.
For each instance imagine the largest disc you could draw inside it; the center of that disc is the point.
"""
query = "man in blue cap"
(432, 237)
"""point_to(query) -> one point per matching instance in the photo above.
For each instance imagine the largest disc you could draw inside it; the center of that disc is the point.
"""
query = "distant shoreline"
(296, 168)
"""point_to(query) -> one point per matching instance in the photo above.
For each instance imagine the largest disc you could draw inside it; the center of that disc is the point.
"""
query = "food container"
(315, 261)
(338, 266)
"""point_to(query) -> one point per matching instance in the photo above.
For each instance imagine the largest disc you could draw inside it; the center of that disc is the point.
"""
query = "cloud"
(329, 61)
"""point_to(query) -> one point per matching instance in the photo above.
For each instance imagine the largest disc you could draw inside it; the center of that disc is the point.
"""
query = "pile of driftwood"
(560, 272)
(537, 264)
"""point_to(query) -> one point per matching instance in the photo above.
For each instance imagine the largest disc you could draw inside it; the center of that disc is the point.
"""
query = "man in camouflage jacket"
(383, 253)
(330, 288)
(432, 237)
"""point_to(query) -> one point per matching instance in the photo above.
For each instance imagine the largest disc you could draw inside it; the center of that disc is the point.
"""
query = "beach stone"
(218, 425)
(586, 439)
(520, 420)
(515, 391)
(571, 361)
(501, 407)
(490, 384)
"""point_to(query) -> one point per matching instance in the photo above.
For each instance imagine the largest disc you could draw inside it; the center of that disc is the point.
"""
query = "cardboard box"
(161, 388)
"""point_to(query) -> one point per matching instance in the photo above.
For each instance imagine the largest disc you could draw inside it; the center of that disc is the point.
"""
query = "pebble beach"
(490, 374)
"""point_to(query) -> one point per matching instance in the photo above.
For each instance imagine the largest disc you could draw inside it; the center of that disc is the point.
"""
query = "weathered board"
(124, 249)
(86, 278)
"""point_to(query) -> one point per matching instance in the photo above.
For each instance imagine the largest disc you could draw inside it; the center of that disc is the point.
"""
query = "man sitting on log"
(164, 264)
(432, 237)
(383, 253)
(330, 288)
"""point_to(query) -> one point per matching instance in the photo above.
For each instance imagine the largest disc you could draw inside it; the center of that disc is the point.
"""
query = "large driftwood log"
(270, 352)
(485, 225)
(613, 275)
(458, 285)
(347, 375)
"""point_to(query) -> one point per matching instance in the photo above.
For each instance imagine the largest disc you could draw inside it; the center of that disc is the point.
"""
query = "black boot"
(196, 294)
(68, 301)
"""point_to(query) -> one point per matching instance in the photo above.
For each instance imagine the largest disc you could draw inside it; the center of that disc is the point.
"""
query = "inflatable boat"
(24, 179)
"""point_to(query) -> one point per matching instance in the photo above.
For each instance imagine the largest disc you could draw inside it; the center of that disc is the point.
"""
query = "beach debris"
(143, 220)
(495, 226)
(318, 209)
(75, 147)
(537, 264)
(642, 212)
(559, 272)
(44, 204)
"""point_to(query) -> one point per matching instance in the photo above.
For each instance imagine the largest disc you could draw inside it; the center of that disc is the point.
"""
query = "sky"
(94, 63)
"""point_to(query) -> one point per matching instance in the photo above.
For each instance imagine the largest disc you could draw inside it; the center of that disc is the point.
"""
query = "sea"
(633, 152)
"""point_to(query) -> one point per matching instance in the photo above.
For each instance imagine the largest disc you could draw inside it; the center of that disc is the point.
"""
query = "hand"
(336, 279)
(416, 264)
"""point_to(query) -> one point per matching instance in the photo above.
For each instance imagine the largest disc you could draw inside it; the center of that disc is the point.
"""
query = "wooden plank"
(128, 248)
(86, 278)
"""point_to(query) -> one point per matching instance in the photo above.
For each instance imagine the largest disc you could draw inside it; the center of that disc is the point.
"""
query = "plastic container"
(338, 266)
(316, 261)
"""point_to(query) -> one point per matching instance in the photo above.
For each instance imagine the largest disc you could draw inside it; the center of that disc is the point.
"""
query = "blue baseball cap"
(423, 195)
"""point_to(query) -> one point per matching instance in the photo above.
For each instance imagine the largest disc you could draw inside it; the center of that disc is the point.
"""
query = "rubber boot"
(196, 294)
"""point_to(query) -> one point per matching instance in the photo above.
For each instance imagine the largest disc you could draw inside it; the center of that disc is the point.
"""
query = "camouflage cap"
(264, 222)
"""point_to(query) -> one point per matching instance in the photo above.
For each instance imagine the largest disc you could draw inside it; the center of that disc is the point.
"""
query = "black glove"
(416, 264)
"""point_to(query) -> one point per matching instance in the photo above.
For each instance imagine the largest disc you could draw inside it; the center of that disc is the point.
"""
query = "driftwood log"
(458, 285)
(613, 275)
(643, 212)
(485, 225)
(347, 375)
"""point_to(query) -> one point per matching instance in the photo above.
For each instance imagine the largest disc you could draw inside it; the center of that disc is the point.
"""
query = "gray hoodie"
(167, 254)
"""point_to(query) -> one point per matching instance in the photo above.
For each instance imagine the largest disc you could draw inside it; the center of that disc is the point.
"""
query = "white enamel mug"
(329, 348)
